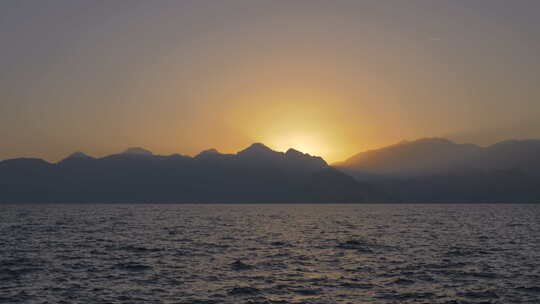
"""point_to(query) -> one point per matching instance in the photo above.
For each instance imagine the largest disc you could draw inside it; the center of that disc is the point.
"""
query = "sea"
(206, 254)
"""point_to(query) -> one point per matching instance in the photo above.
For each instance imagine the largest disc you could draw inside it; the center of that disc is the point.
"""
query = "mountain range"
(438, 170)
(424, 170)
(256, 174)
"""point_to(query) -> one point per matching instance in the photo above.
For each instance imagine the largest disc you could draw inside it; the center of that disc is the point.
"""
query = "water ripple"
(209, 254)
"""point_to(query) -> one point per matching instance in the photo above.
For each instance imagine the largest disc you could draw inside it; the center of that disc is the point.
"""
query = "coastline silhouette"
(256, 174)
(425, 170)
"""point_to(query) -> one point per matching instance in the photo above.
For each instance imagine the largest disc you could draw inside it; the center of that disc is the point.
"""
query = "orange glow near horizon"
(305, 143)
(309, 121)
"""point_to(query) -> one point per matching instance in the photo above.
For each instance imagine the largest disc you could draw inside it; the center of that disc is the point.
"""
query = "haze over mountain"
(436, 169)
(420, 157)
(430, 156)
(256, 174)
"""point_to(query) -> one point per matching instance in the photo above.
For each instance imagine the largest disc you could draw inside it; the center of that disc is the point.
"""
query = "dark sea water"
(270, 254)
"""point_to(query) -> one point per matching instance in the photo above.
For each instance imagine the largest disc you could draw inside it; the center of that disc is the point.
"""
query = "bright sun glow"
(306, 143)
(294, 119)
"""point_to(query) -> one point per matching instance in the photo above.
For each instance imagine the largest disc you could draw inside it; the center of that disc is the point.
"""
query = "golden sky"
(330, 78)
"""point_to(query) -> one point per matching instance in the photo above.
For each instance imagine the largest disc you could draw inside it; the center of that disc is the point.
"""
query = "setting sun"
(306, 143)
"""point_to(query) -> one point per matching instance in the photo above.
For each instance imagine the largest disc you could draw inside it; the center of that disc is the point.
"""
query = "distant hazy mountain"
(436, 169)
(421, 157)
(137, 151)
(256, 174)
(434, 156)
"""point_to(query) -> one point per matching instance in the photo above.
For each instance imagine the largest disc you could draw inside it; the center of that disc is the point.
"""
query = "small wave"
(133, 248)
(132, 266)
(531, 289)
(199, 301)
(308, 292)
(357, 285)
(486, 294)
(465, 252)
(239, 291)
(239, 265)
(484, 275)
(280, 244)
(401, 281)
(356, 245)
(18, 272)
(406, 296)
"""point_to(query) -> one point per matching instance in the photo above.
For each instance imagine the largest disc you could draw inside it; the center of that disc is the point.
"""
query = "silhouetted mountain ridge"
(256, 174)
(424, 170)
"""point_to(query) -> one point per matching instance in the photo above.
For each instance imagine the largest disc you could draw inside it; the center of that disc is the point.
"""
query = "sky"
(330, 78)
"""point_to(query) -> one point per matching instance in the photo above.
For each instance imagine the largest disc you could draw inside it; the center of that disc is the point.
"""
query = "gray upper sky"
(328, 77)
